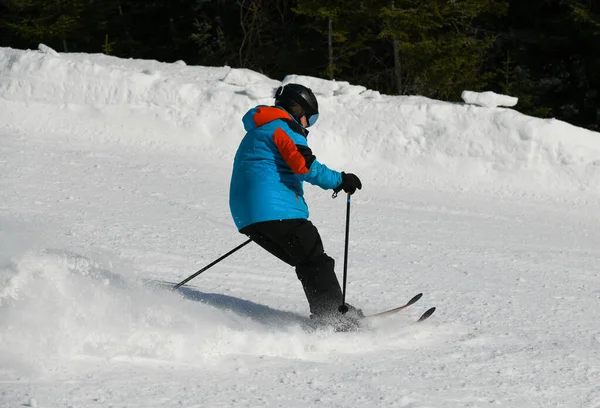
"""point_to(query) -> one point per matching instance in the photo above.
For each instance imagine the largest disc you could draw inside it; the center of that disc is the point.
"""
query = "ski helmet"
(296, 94)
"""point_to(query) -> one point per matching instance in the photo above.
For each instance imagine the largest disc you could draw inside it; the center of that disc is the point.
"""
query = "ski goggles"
(312, 119)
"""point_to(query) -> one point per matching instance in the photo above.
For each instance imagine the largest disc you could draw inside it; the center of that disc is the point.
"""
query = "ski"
(397, 309)
(426, 315)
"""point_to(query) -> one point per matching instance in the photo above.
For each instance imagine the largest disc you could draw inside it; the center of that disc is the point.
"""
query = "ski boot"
(347, 322)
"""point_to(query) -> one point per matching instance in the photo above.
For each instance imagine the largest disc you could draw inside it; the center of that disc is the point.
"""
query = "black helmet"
(296, 94)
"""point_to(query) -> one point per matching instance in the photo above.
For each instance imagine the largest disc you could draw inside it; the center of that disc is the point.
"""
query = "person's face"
(303, 121)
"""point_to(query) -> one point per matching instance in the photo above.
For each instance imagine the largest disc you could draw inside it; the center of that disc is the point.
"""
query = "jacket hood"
(261, 115)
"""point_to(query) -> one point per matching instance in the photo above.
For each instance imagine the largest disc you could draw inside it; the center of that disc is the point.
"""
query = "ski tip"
(427, 314)
(414, 299)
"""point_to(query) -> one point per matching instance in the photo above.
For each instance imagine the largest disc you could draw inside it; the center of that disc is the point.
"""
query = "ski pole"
(183, 282)
(343, 308)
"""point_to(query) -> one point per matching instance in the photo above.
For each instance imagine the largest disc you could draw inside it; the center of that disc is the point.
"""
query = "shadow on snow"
(245, 308)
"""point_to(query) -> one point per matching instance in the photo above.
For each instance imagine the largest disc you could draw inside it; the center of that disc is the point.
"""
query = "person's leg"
(298, 243)
(315, 269)
(267, 235)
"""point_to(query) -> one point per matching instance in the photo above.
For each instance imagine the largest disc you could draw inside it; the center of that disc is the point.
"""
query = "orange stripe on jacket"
(266, 114)
(290, 152)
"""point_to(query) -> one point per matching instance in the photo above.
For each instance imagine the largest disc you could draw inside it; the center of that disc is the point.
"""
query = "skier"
(266, 197)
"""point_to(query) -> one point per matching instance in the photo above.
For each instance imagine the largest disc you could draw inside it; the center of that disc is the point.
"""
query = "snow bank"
(489, 99)
(389, 139)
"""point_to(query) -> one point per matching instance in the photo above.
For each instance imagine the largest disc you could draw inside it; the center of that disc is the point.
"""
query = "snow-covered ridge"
(412, 139)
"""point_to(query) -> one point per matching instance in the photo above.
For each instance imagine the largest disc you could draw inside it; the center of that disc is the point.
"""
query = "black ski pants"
(298, 243)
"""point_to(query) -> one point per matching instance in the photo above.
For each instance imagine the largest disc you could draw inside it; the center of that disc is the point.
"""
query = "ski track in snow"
(93, 232)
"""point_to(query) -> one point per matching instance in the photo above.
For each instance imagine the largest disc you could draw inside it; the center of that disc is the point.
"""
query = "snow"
(114, 186)
(489, 99)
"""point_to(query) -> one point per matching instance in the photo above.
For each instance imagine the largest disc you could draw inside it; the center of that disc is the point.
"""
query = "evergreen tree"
(339, 22)
(438, 45)
(586, 20)
(51, 21)
(555, 59)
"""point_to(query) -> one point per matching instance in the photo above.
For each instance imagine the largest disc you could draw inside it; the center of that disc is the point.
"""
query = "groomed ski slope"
(114, 179)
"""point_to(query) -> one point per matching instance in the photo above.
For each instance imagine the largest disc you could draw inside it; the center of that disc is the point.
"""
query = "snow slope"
(114, 182)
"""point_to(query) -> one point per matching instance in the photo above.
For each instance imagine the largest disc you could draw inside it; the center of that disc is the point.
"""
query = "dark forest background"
(546, 52)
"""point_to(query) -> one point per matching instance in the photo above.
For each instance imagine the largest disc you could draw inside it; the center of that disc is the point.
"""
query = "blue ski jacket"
(270, 166)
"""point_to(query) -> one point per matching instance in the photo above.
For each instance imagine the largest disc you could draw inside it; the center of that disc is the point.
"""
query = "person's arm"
(296, 153)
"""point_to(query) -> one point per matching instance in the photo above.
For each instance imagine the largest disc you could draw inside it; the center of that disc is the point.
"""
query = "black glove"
(349, 183)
